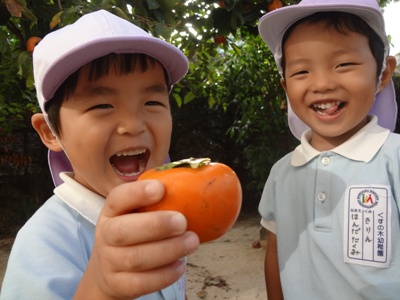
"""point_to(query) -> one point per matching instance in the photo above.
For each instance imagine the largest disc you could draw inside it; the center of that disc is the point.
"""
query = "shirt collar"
(81, 199)
(360, 147)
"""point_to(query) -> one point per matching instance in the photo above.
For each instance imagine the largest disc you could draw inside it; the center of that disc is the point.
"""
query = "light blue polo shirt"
(51, 251)
(336, 217)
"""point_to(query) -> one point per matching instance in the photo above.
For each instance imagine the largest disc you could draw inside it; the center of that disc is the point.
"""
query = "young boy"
(332, 205)
(103, 86)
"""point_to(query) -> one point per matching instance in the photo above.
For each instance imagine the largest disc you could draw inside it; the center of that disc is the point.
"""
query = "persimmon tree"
(204, 30)
(232, 76)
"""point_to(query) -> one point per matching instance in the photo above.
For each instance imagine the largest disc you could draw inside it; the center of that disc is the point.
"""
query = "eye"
(153, 103)
(346, 64)
(158, 101)
(299, 73)
(101, 106)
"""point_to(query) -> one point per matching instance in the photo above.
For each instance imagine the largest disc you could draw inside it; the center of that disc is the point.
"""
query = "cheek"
(295, 94)
(163, 124)
(365, 90)
(164, 133)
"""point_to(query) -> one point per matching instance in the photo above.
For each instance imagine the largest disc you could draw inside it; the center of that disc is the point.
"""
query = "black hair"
(122, 64)
(342, 22)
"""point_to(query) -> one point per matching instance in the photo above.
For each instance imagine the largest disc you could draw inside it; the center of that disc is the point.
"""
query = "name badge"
(367, 224)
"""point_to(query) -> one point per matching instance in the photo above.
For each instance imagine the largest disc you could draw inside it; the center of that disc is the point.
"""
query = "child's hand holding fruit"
(140, 239)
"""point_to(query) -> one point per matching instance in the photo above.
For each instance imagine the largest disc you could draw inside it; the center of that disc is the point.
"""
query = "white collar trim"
(359, 147)
(81, 199)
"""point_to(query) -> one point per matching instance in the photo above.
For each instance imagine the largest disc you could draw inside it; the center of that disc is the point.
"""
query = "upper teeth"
(129, 153)
(326, 105)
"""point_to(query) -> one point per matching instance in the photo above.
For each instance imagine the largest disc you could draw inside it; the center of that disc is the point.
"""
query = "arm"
(135, 254)
(271, 269)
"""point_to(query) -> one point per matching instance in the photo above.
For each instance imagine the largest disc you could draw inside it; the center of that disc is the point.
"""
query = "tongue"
(125, 164)
(331, 110)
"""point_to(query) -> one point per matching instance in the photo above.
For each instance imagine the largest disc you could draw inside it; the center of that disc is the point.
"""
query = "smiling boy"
(103, 86)
(123, 119)
(331, 206)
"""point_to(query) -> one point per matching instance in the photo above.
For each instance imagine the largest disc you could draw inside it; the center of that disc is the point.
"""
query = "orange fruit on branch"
(219, 39)
(32, 42)
(274, 4)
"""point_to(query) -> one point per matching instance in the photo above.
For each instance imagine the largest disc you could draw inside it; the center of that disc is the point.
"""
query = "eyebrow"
(157, 88)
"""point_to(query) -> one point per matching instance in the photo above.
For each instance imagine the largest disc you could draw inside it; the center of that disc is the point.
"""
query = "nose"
(130, 122)
(323, 82)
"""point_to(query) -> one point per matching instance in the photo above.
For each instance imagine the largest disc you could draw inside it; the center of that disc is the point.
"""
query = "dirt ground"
(228, 268)
(6, 240)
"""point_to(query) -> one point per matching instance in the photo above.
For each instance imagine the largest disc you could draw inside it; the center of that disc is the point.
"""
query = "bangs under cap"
(273, 25)
(94, 35)
(62, 52)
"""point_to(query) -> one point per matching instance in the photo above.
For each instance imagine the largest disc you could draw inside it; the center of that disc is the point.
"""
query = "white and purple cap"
(92, 36)
(272, 28)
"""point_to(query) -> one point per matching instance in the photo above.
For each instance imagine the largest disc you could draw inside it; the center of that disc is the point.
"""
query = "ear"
(283, 83)
(42, 128)
(388, 72)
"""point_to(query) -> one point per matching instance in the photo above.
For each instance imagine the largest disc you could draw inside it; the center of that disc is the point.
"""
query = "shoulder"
(54, 241)
(393, 139)
(392, 145)
(282, 164)
(53, 215)
(53, 225)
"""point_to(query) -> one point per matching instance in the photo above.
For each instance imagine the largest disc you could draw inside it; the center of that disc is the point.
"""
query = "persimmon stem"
(192, 163)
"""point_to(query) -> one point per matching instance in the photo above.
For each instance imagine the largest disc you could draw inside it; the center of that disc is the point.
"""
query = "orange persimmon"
(32, 42)
(207, 193)
(274, 4)
(219, 39)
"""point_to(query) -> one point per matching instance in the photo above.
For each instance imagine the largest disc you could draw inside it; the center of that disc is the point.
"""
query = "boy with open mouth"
(103, 87)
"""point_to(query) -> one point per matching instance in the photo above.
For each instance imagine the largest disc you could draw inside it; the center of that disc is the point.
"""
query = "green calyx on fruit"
(192, 163)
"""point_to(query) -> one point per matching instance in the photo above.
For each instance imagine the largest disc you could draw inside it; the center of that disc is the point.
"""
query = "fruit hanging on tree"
(274, 4)
(32, 42)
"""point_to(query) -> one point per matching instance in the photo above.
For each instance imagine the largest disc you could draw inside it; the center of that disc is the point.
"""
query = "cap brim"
(173, 61)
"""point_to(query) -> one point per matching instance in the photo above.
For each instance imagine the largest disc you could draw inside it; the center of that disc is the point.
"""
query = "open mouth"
(129, 163)
(328, 108)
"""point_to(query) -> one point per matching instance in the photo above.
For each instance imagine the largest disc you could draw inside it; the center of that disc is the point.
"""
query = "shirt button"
(321, 197)
(325, 161)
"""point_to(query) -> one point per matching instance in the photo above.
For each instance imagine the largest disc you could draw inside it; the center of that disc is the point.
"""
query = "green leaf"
(153, 4)
(177, 99)
(188, 98)
(238, 50)
(69, 16)
(29, 15)
(25, 65)
(120, 13)
(162, 30)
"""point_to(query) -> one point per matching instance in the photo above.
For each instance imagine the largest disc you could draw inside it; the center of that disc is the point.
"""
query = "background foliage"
(229, 107)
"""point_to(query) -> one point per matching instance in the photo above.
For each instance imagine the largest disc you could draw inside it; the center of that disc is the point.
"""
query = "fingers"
(136, 228)
(137, 253)
(129, 196)
(132, 286)
(149, 256)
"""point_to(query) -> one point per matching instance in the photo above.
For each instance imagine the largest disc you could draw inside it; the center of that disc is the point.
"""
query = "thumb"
(127, 197)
